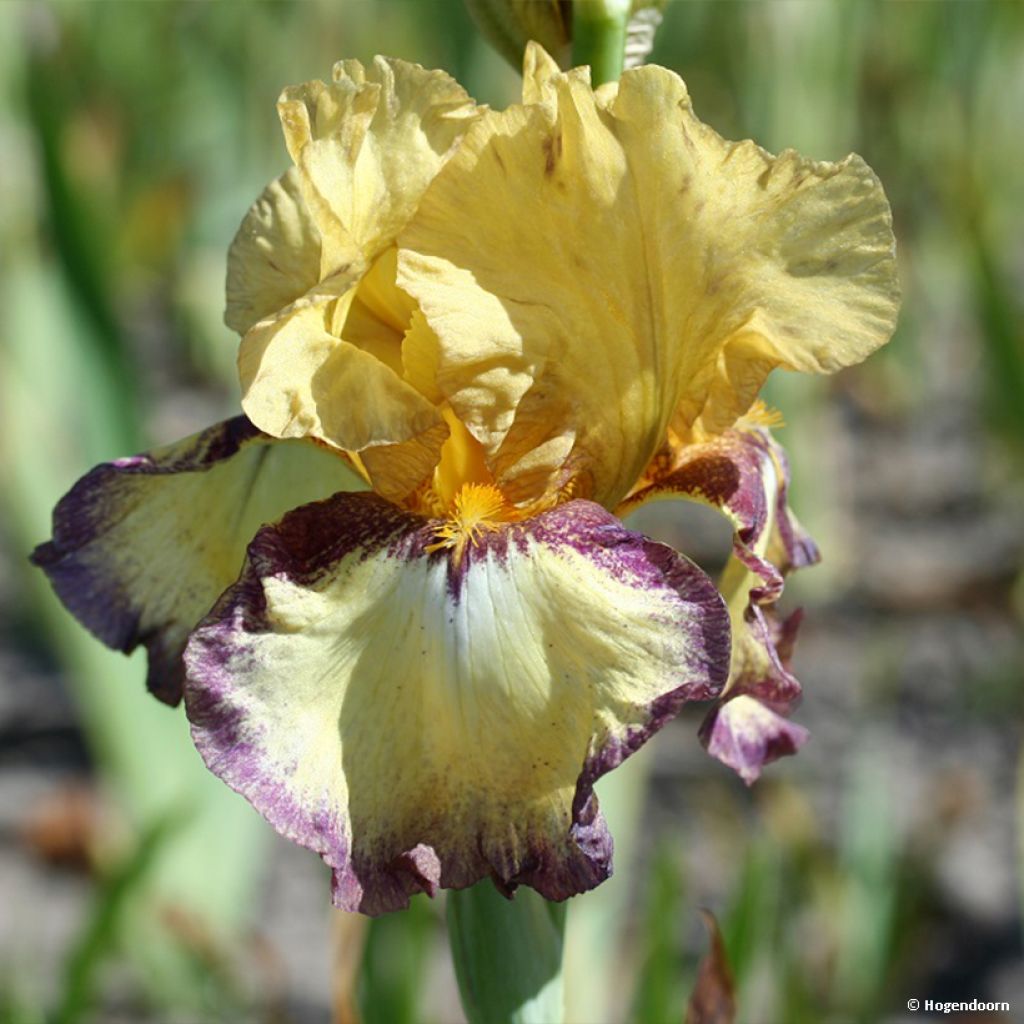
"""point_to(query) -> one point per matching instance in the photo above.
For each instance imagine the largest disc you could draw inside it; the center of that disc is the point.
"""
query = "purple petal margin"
(302, 549)
(86, 585)
(729, 472)
(747, 743)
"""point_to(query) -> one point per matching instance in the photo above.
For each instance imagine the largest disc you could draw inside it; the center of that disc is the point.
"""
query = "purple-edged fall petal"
(143, 546)
(745, 475)
(748, 728)
(423, 718)
(366, 145)
(618, 261)
(275, 257)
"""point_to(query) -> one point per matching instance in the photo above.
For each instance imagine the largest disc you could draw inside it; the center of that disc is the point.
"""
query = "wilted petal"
(648, 272)
(713, 1000)
(746, 735)
(143, 546)
(421, 720)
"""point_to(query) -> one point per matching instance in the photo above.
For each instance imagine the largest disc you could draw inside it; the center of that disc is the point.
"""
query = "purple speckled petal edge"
(98, 599)
(303, 550)
(747, 738)
(745, 474)
(142, 546)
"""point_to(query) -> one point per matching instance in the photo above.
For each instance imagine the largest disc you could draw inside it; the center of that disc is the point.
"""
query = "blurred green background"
(880, 865)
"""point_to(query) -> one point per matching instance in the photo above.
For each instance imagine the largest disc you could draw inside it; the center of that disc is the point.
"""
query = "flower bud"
(508, 25)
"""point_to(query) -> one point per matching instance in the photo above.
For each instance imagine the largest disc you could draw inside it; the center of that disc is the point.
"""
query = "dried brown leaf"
(713, 1000)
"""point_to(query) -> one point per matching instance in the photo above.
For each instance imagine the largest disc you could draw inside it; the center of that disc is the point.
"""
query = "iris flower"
(397, 595)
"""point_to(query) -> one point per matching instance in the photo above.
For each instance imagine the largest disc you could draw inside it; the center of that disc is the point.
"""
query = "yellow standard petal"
(596, 268)
(302, 380)
(275, 256)
(367, 145)
(327, 362)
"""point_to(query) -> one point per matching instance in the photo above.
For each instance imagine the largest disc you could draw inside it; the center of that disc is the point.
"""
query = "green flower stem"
(599, 37)
(508, 955)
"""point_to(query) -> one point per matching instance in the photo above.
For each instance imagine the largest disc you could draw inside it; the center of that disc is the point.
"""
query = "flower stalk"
(599, 37)
(508, 955)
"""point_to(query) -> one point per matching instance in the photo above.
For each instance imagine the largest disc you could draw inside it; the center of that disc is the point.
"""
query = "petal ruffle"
(367, 145)
(275, 256)
(424, 721)
(300, 380)
(328, 364)
(143, 546)
(746, 734)
(649, 268)
(745, 475)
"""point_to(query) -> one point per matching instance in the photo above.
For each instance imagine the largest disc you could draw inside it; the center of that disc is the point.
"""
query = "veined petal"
(367, 145)
(300, 380)
(422, 719)
(143, 546)
(745, 475)
(649, 267)
(275, 256)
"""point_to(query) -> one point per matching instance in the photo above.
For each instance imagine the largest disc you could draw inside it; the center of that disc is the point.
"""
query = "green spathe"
(508, 955)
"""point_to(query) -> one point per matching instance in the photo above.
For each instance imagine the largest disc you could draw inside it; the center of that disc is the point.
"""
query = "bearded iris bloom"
(397, 595)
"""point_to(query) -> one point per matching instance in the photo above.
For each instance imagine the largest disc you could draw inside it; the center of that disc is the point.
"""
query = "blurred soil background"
(882, 864)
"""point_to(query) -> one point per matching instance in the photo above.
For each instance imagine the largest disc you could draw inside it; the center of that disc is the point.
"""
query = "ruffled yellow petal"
(275, 256)
(301, 380)
(367, 145)
(327, 360)
(621, 262)
(540, 72)
(541, 75)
